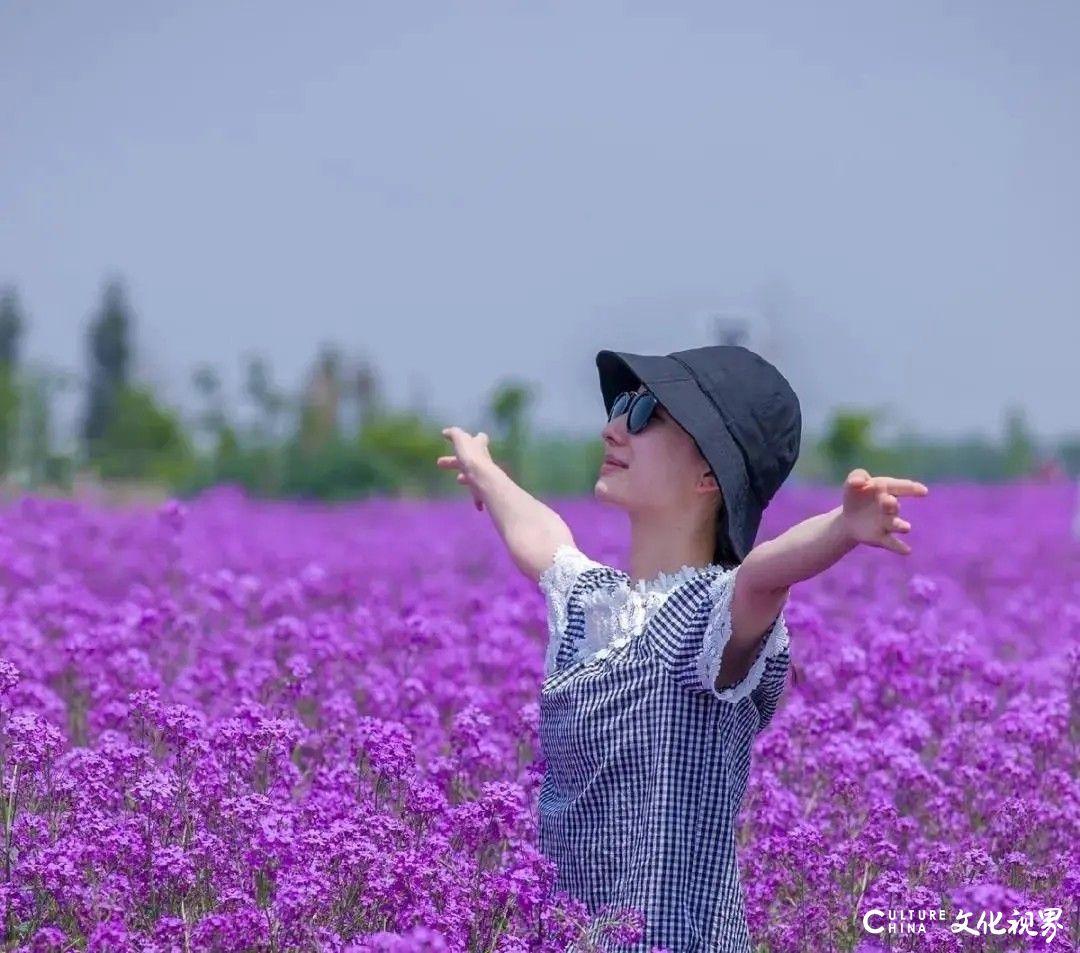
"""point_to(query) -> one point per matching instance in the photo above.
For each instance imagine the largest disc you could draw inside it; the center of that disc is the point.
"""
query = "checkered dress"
(647, 762)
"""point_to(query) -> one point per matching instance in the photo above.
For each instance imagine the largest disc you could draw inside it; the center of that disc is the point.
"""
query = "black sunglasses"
(639, 408)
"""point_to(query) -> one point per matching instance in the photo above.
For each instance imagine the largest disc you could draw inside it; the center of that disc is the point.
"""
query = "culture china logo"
(1033, 923)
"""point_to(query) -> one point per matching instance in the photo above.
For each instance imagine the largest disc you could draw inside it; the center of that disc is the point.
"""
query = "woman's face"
(664, 470)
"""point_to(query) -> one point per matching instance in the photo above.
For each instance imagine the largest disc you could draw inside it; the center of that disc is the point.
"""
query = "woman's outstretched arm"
(531, 530)
(868, 514)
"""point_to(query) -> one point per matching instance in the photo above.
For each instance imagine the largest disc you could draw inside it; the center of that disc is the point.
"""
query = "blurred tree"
(11, 326)
(270, 401)
(227, 463)
(406, 446)
(319, 422)
(259, 461)
(1019, 444)
(109, 352)
(561, 466)
(11, 329)
(1068, 451)
(143, 440)
(342, 469)
(227, 453)
(41, 383)
(207, 382)
(847, 442)
(38, 426)
(508, 409)
(366, 393)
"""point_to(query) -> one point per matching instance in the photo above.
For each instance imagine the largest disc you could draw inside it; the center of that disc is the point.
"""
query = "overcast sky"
(469, 192)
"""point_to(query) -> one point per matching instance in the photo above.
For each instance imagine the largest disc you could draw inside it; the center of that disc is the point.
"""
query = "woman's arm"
(868, 514)
(764, 579)
(531, 530)
(808, 548)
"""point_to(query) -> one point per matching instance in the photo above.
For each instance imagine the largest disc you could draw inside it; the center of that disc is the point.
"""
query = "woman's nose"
(615, 429)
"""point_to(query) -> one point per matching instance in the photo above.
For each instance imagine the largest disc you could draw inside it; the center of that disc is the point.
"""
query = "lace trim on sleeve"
(557, 583)
(717, 635)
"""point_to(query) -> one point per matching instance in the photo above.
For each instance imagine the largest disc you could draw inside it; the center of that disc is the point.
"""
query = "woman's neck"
(666, 545)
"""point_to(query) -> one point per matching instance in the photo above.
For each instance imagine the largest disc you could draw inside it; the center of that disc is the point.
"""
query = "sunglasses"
(639, 408)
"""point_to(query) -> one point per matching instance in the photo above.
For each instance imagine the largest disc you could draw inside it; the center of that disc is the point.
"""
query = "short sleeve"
(570, 575)
(699, 648)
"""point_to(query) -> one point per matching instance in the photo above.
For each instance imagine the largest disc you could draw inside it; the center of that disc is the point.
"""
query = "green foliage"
(338, 470)
(11, 327)
(58, 470)
(1019, 446)
(109, 351)
(1068, 452)
(143, 441)
(227, 453)
(847, 442)
(390, 456)
(406, 447)
(295, 445)
(320, 408)
(509, 409)
(36, 416)
(9, 417)
(562, 466)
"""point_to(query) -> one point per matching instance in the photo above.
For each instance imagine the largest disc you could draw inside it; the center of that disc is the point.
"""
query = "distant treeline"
(338, 439)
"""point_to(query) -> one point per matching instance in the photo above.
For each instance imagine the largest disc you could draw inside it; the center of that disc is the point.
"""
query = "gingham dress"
(646, 762)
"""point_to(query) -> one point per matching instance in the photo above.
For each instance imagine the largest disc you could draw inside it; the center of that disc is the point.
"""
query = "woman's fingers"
(454, 462)
(906, 487)
(465, 481)
(891, 542)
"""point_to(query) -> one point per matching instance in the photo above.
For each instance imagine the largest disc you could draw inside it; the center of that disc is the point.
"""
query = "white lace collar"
(615, 612)
(614, 615)
(666, 581)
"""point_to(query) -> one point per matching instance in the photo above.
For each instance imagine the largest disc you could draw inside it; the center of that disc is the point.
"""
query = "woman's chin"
(603, 492)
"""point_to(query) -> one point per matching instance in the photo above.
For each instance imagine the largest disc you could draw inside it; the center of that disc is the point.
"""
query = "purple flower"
(322, 730)
(9, 676)
(173, 514)
(34, 741)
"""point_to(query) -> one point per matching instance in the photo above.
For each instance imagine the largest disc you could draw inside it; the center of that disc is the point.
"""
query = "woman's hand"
(870, 509)
(471, 457)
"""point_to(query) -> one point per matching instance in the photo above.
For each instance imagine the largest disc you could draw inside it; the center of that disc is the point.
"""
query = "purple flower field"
(236, 725)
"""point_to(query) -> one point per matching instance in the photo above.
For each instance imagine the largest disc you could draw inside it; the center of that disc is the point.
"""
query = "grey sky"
(469, 192)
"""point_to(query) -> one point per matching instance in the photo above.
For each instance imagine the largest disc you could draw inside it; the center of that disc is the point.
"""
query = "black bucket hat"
(741, 413)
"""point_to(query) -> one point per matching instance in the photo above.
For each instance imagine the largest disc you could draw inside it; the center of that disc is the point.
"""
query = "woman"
(657, 681)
